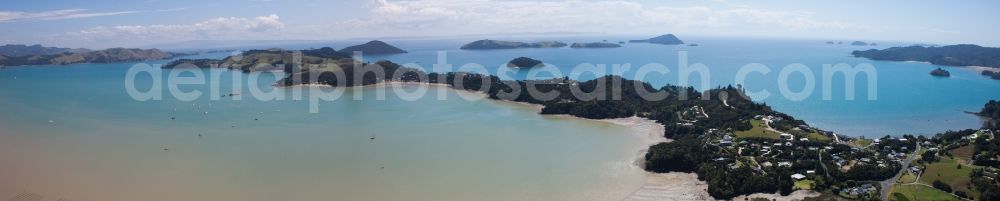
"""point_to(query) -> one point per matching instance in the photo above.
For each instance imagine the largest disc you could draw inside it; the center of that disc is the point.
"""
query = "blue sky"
(104, 23)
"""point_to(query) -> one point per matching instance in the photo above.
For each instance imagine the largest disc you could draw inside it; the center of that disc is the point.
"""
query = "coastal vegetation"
(498, 44)
(524, 62)
(110, 55)
(374, 47)
(991, 74)
(270, 59)
(668, 39)
(702, 125)
(991, 110)
(956, 165)
(940, 73)
(595, 45)
(759, 130)
(26, 50)
(951, 55)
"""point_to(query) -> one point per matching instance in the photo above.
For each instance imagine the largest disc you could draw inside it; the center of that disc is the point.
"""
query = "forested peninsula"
(736, 145)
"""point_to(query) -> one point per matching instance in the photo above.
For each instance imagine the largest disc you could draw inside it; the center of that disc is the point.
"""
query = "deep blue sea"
(74, 132)
(907, 99)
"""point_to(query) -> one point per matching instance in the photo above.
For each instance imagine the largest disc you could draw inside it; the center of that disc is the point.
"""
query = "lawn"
(804, 184)
(863, 142)
(947, 171)
(906, 178)
(964, 152)
(817, 137)
(919, 193)
(758, 131)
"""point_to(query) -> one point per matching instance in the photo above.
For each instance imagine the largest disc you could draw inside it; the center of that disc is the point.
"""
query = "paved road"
(888, 182)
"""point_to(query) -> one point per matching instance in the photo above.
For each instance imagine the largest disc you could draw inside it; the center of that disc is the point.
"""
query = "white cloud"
(432, 17)
(216, 28)
(11, 16)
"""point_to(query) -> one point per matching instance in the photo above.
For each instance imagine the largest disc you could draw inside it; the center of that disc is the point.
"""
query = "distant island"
(498, 44)
(249, 61)
(37, 55)
(940, 73)
(524, 62)
(737, 146)
(859, 43)
(373, 48)
(25, 50)
(951, 55)
(595, 45)
(668, 39)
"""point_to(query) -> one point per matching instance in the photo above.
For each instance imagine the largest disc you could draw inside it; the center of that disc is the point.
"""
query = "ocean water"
(907, 99)
(73, 132)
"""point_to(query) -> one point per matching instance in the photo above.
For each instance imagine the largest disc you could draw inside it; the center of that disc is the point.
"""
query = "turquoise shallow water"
(73, 132)
(908, 99)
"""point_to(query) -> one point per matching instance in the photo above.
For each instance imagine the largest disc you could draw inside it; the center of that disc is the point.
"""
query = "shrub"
(962, 194)
(941, 185)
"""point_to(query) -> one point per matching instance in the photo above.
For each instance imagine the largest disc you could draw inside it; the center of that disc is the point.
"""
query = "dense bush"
(951, 55)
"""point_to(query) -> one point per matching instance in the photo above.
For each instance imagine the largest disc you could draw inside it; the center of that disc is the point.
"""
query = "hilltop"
(668, 39)
(373, 47)
(25, 50)
(110, 55)
(498, 44)
(951, 55)
(267, 60)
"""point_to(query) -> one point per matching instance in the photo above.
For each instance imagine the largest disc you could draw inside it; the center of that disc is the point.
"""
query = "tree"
(928, 157)
(942, 186)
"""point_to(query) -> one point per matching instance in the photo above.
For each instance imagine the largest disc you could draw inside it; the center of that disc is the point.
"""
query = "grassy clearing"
(804, 184)
(906, 178)
(758, 131)
(862, 142)
(919, 193)
(947, 171)
(817, 137)
(964, 153)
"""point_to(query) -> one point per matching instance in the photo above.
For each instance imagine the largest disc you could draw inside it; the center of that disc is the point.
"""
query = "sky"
(141, 23)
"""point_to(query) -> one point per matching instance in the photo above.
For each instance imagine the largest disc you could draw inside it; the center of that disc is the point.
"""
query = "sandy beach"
(797, 195)
(980, 69)
(657, 186)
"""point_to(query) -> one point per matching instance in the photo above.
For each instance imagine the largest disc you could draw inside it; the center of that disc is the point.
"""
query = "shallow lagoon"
(73, 132)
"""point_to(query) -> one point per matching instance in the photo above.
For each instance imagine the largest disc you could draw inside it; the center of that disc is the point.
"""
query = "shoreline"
(977, 69)
(657, 186)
